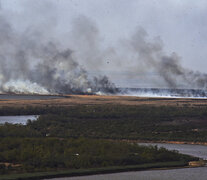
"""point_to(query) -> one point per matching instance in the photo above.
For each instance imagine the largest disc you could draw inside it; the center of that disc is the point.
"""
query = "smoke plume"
(33, 60)
(151, 57)
(30, 63)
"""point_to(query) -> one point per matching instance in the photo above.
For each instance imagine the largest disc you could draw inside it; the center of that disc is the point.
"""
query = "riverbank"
(105, 170)
(166, 142)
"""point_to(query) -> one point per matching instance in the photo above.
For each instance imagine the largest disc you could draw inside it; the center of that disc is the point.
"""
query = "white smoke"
(23, 87)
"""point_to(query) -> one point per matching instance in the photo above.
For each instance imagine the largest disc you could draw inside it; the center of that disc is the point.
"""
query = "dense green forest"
(112, 122)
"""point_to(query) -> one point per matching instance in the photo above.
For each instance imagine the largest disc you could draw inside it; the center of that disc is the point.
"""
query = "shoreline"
(97, 171)
(109, 170)
(166, 142)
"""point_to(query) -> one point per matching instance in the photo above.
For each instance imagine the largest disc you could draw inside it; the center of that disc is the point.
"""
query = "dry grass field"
(71, 100)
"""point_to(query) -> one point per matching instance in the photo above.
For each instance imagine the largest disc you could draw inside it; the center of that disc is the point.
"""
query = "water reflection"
(193, 150)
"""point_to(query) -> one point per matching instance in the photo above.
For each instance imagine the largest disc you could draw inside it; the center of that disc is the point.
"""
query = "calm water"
(174, 174)
(194, 150)
(17, 119)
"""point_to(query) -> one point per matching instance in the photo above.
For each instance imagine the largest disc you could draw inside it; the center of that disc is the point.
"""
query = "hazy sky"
(181, 24)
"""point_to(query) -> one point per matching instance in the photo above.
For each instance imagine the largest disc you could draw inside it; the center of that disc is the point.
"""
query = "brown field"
(71, 100)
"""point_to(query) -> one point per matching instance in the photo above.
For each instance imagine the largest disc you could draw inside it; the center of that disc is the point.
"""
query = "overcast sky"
(181, 24)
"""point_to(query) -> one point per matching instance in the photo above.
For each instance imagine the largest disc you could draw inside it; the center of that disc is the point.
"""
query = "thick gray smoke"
(33, 60)
(32, 63)
(150, 57)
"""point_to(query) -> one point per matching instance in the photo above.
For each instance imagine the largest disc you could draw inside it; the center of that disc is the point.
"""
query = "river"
(199, 173)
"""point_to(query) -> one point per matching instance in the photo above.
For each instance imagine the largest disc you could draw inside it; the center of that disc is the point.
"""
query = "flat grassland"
(70, 100)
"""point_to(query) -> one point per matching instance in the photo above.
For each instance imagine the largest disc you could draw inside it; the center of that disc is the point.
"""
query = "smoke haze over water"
(35, 60)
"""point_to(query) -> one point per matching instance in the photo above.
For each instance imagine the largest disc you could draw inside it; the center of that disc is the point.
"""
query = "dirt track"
(71, 100)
